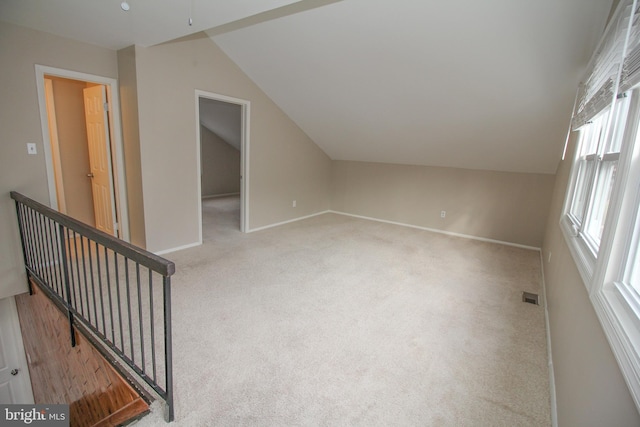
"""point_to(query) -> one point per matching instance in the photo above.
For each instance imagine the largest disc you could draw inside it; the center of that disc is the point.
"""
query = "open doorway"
(222, 139)
(83, 148)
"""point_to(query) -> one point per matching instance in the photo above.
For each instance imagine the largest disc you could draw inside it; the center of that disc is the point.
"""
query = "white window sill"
(582, 254)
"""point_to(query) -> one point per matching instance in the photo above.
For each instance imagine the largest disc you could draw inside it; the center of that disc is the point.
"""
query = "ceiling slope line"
(269, 15)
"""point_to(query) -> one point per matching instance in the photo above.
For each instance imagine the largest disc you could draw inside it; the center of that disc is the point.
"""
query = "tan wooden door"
(95, 101)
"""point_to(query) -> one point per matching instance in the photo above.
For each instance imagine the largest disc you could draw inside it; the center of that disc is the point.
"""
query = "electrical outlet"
(294, 204)
(443, 214)
(549, 259)
(31, 148)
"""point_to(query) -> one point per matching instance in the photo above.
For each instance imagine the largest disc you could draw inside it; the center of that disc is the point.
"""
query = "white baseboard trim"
(552, 377)
(277, 224)
(435, 230)
(215, 196)
(179, 248)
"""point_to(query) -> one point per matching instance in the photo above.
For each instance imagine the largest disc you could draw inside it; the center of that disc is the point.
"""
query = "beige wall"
(20, 50)
(510, 207)
(128, 82)
(284, 163)
(589, 386)
(74, 150)
(220, 170)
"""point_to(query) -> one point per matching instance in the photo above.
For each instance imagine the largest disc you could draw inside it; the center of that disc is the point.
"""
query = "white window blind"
(599, 88)
(630, 75)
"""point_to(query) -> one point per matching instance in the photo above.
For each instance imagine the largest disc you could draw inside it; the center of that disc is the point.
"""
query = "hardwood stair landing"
(79, 376)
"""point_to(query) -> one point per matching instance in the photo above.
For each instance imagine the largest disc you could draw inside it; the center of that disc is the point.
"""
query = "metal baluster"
(80, 309)
(140, 320)
(31, 243)
(61, 259)
(104, 325)
(93, 286)
(153, 335)
(24, 252)
(46, 271)
(50, 259)
(65, 266)
(168, 357)
(126, 276)
(31, 238)
(115, 257)
(53, 243)
(42, 265)
(41, 248)
(36, 246)
(28, 240)
(86, 285)
(106, 268)
(70, 279)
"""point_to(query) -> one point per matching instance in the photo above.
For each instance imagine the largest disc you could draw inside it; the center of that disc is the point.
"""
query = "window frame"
(606, 273)
(598, 134)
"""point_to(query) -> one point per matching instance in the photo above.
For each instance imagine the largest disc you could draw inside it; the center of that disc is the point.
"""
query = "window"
(593, 178)
(608, 158)
(586, 164)
(615, 287)
(595, 169)
(601, 224)
(601, 216)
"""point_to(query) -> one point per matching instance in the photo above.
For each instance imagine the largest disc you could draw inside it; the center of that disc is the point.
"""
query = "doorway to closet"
(222, 140)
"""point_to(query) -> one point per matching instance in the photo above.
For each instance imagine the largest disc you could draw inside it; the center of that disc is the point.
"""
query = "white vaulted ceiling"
(474, 84)
(148, 22)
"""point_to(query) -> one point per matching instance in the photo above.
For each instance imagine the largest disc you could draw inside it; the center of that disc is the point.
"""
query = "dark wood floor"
(78, 376)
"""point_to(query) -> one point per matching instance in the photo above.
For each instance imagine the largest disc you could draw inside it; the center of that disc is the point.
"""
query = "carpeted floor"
(335, 320)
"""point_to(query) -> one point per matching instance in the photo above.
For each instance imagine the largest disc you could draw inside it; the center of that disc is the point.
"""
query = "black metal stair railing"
(118, 292)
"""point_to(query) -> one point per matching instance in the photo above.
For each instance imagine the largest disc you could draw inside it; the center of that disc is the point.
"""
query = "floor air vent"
(530, 298)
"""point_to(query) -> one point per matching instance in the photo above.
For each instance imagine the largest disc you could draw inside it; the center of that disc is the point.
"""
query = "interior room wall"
(128, 82)
(20, 50)
(590, 389)
(220, 170)
(284, 164)
(74, 151)
(505, 206)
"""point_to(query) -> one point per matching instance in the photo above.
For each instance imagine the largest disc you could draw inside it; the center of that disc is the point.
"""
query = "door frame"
(245, 107)
(119, 186)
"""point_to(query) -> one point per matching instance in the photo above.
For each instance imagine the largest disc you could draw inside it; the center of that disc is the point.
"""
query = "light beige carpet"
(340, 321)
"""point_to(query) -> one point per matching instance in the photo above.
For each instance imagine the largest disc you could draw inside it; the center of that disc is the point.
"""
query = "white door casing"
(244, 155)
(55, 145)
(116, 134)
(15, 384)
(95, 100)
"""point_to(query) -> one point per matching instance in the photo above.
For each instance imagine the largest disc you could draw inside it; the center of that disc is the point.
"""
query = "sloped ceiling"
(474, 84)
(222, 118)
